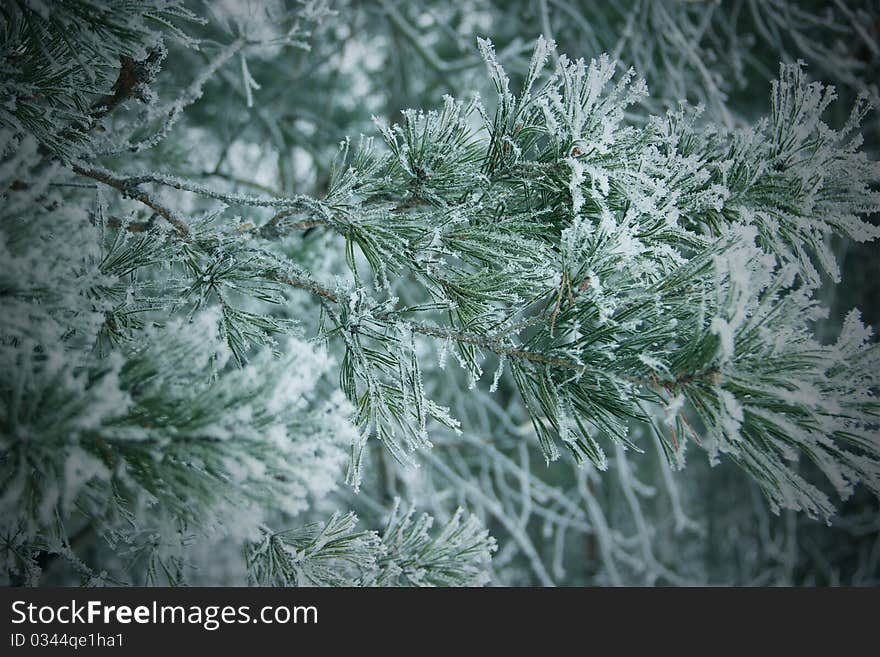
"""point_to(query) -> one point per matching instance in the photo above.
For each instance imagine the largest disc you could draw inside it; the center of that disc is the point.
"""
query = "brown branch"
(487, 342)
(305, 284)
(136, 193)
(133, 75)
(490, 343)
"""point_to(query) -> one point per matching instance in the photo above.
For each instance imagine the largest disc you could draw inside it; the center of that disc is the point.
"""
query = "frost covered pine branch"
(167, 365)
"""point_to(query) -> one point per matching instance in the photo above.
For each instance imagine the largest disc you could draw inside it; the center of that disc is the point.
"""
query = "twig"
(130, 190)
(305, 284)
(487, 342)
(133, 75)
(426, 53)
(240, 181)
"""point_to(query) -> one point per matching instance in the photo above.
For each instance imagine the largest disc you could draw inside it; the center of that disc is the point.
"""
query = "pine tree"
(261, 323)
